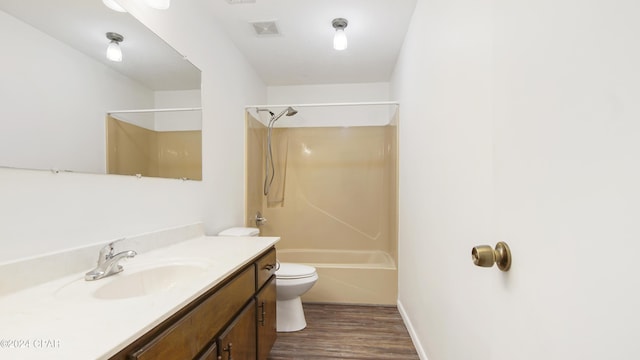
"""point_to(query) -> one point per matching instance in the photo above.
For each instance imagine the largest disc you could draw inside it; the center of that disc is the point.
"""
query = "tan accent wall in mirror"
(179, 154)
(132, 149)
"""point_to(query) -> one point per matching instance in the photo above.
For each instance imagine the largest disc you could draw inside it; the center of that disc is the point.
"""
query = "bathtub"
(348, 276)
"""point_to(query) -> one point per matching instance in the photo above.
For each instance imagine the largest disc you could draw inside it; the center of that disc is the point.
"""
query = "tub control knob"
(260, 220)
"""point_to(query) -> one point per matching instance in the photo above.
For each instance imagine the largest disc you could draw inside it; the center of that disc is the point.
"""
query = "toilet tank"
(240, 231)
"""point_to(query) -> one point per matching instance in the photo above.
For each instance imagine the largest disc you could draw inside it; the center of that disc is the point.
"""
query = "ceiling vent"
(265, 28)
(241, 1)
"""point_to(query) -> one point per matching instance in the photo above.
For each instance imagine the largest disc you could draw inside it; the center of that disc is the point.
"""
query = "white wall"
(519, 124)
(442, 81)
(365, 115)
(229, 83)
(50, 94)
(42, 212)
(178, 120)
(168, 120)
(328, 93)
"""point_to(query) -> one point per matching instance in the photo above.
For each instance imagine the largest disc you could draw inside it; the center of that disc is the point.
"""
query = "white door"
(567, 179)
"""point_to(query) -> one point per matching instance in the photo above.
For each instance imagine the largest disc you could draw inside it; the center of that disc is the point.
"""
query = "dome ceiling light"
(114, 53)
(340, 38)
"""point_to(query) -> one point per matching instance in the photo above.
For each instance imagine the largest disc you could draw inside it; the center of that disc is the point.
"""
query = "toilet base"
(290, 315)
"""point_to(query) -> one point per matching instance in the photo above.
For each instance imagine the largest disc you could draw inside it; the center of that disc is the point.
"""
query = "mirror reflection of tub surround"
(57, 84)
(157, 143)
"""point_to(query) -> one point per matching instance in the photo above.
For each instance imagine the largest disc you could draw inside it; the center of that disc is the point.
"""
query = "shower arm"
(274, 118)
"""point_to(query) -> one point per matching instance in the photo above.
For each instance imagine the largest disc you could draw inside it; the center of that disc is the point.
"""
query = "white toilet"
(292, 281)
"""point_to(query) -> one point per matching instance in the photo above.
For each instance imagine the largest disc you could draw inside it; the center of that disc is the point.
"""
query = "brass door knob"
(485, 256)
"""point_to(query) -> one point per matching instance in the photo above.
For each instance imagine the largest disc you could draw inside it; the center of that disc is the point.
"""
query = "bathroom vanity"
(196, 298)
(234, 320)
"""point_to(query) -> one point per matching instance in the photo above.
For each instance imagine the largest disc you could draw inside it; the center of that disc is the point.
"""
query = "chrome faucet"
(108, 262)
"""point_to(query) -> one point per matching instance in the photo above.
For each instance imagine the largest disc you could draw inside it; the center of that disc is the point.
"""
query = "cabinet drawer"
(190, 335)
(265, 268)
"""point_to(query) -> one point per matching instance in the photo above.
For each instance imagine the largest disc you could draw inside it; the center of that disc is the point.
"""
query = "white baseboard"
(414, 337)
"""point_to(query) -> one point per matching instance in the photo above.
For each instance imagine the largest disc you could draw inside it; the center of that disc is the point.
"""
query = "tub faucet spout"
(108, 263)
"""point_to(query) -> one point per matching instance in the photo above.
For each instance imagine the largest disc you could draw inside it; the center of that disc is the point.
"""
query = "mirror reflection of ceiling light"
(340, 38)
(113, 5)
(159, 4)
(114, 53)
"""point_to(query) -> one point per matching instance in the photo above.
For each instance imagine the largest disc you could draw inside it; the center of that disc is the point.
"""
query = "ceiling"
(303, 52)
(83, 25)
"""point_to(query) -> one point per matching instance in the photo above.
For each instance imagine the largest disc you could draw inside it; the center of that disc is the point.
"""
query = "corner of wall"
(412, 333)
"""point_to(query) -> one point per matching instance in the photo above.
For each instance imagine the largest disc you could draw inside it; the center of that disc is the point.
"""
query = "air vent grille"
(265, 28)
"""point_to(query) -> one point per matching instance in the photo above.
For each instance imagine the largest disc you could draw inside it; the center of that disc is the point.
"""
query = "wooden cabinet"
(265, 268)
(235, 318)
(211, 353)
(237, 342)
(266, 324)
(266, 303)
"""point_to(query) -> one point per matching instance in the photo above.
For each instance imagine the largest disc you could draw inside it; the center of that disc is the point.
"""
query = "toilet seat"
(295, 271)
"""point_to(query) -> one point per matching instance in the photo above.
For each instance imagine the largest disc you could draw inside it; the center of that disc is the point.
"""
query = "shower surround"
(333, 202)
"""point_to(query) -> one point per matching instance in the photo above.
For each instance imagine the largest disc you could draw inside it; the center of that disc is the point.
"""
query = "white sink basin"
(136, 281)
(146, 282)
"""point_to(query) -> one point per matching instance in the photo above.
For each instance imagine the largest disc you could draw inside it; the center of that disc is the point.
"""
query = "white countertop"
(59, 320)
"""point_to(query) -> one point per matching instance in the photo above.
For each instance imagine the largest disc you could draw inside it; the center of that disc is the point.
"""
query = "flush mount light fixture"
(159, 4)
(114, 53)
(340, 38)
(113, 5)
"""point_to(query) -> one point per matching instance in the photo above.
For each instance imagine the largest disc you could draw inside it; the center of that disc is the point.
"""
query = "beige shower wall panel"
(135, 150)
(391, 133)
(256, 134)
(129, 149)
(337, 193)
(179, 154)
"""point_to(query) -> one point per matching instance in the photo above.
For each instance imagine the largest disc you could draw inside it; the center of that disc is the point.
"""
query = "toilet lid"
(240, 231)
(294, 271)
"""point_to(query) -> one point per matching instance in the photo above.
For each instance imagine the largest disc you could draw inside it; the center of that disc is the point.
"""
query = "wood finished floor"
(347, 332)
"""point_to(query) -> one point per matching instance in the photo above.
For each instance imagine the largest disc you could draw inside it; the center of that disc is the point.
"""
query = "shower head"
(291, 111)
(288, 111)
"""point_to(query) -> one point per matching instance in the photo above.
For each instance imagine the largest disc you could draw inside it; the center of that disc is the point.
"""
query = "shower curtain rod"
(152, 110)
(325, 104)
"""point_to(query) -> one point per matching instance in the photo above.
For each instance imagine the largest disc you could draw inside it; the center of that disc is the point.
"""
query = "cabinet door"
(210, 354)
(266, 324)
(238, 341)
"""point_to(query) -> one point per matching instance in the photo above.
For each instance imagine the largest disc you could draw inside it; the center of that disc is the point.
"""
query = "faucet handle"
(107, 251)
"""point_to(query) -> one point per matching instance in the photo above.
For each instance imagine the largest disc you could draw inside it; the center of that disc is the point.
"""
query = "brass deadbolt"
(485, 256)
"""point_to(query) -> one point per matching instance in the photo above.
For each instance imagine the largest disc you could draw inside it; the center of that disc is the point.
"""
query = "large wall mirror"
(60, 95)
